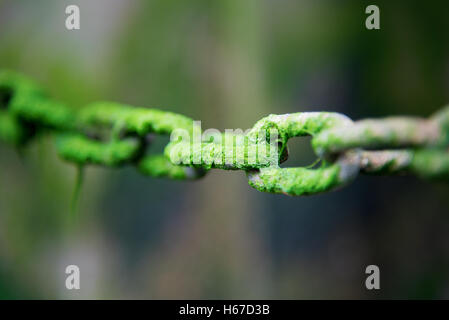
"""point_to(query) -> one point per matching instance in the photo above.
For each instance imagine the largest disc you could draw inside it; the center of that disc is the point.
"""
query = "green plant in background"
(111, 134)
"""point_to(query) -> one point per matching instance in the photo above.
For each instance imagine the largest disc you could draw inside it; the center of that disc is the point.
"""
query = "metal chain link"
(112, 134)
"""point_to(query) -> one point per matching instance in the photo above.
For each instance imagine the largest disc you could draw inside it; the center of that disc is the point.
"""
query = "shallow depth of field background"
(227, 63)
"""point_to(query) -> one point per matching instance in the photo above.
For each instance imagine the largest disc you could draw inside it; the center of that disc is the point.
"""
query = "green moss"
(385, 162)
(14, 86)
(297, 125)
(81, 150)
(121, 130)
(295, 181)
(160, 166)
(233, 153)
(11, 130)
(442, 118)
(24, 105)
(432, 164)
(237, 154)
(17, 84)
(133, 120)
(387, 133)
(46, 113)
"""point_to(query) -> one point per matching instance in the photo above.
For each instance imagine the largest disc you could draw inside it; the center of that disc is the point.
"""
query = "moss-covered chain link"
(103, 133)
(112, 134)
(395, 145)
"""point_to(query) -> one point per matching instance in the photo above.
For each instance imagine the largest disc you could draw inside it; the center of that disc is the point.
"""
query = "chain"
(112, 134)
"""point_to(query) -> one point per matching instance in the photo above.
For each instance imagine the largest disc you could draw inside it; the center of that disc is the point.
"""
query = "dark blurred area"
(227, 63)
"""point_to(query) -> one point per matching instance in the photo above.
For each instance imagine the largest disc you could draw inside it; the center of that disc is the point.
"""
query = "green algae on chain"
(25, 109)
(127, 121)
(299, 124)
(230, 152)
(431, 164)
(385, 161)
(304, 181)
(442, 118)
(17, 84)
(294, 181)
(244, 151)
(392, 132)
(160, 166)
(26, 105)
(78, 149)
(46, 113)
(133, 120)
(425, 163)
(12, 86)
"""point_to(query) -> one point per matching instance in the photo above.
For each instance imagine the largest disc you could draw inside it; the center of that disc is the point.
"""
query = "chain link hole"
(300, 153)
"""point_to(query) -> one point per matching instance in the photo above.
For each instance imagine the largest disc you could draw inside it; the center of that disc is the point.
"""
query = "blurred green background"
(227, 63)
